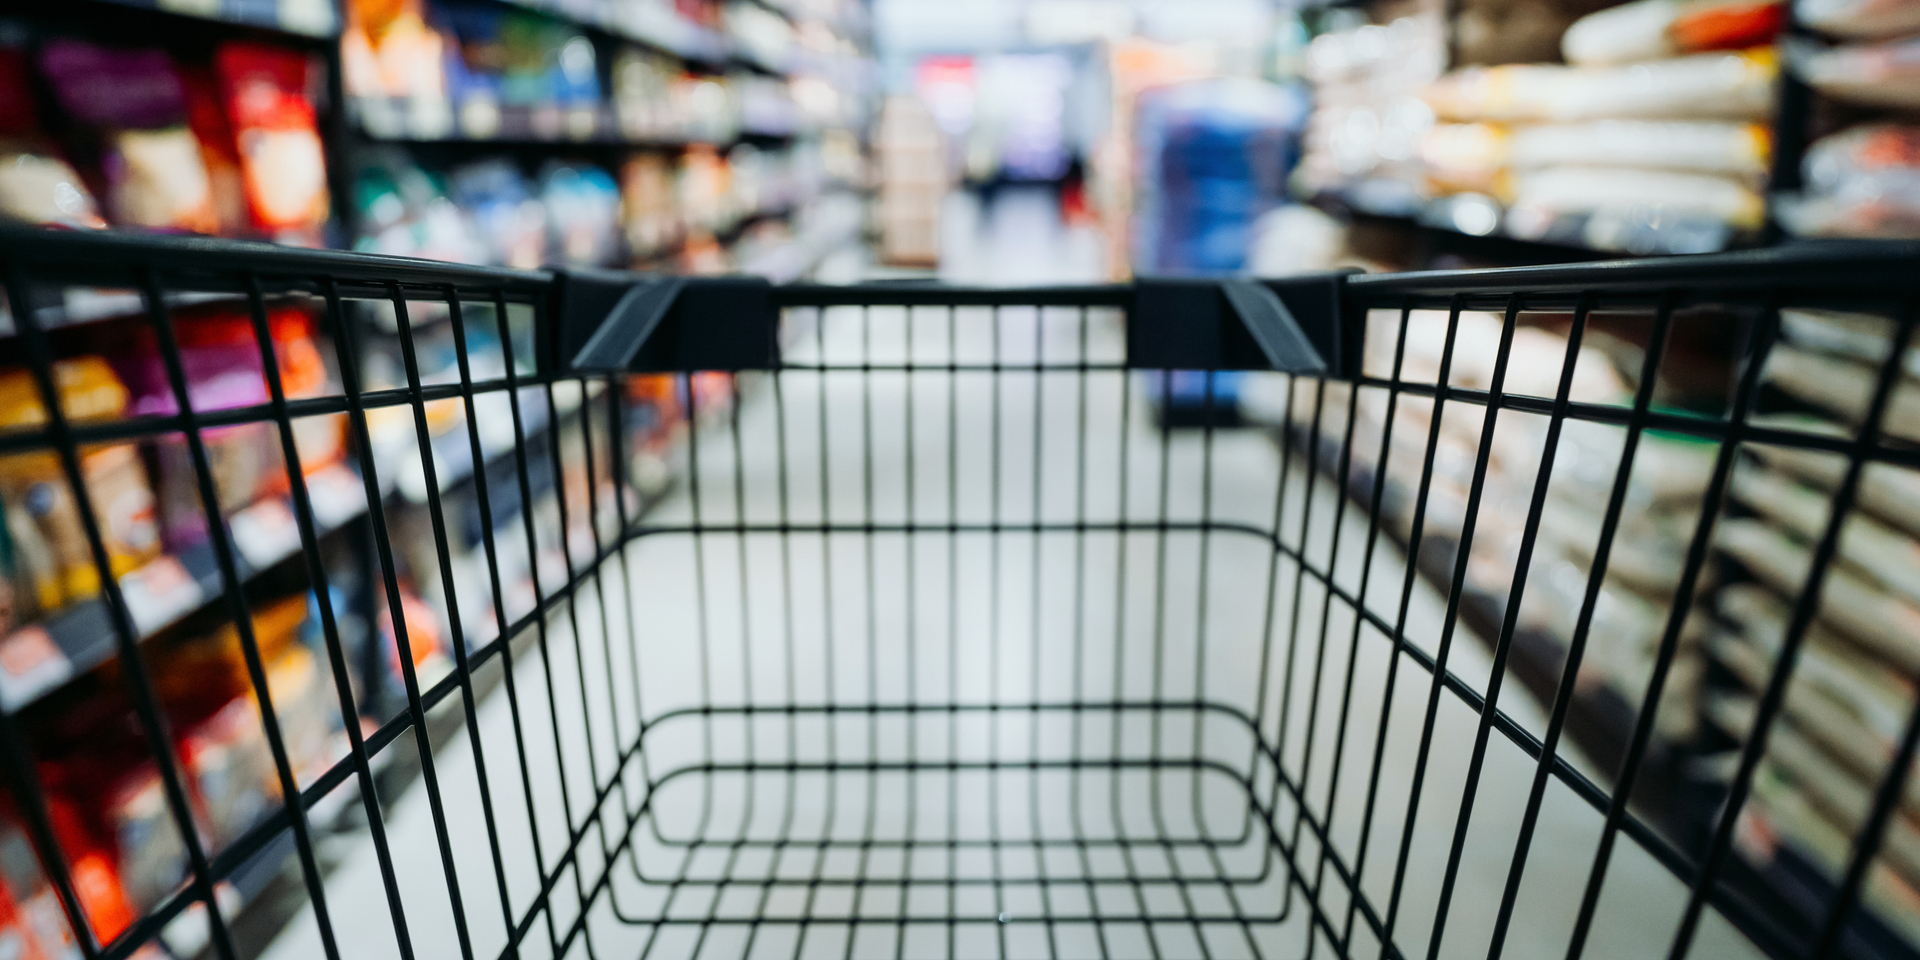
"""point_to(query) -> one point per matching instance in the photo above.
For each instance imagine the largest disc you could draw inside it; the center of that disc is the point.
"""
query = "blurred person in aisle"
(1018, 133)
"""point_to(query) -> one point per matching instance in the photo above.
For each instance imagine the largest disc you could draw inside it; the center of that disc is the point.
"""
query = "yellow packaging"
(42, 513)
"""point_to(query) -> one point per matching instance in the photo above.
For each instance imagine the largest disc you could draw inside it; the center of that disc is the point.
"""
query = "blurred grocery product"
(51, 562)
(1363, 137)
(1215, 156)
(1861, 182)
(134, 105)
(282, 163)
(913, 182)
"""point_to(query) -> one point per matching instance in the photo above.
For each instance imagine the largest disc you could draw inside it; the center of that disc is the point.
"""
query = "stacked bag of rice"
(1652, 137)
(1852, 689)
(1862, 180)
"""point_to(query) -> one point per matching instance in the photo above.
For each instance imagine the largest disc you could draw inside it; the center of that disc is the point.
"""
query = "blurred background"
(996, 142)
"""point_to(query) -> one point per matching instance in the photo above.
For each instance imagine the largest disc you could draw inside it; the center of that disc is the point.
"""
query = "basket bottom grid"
(1030, 851)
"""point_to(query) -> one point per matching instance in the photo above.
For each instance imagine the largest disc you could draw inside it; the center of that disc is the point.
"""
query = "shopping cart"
(938, 647)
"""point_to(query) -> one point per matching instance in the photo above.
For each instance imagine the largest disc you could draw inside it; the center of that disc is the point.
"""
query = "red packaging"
(282, 163)
(16, 937)
(208, 121)
(16, 97)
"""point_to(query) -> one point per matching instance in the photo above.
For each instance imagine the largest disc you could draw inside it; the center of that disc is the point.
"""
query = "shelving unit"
(179, 595)
(1783, 879)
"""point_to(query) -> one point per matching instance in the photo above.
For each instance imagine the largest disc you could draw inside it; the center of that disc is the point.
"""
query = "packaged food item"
(39, 187)
(1463, 157)
(1884, 74)
(1859, 19)
(512, 221)
(321, 440)
(17, 940)
(43, 522)
(1843, 387)
(207, 118)
(222, 743)
(426, 640)
(583, 213)
(1657, 29)
(1726, 24)
(406, 212)
(1889, 492)
(1567, 189)
(283, 165)
(91, 859)
(1739, 150)
(393, 67)
(1628, 33)
(642, 93)
(1861, 182)
(134, 101)
(1708, 86)
(647, 207)
(36, 184)
(221, 360)
(1865, 614)
(1874, 550)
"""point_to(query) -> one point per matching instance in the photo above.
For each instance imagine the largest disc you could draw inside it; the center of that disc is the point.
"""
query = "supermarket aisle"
(1017, 241)
(1114, 620)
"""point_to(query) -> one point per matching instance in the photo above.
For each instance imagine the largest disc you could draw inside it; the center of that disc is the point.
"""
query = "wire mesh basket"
(940, 643)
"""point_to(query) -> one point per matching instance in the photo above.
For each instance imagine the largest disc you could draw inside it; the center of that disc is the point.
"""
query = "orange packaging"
(1727, 24)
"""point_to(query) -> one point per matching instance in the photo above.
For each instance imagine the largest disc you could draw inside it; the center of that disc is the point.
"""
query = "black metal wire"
(1153, 880)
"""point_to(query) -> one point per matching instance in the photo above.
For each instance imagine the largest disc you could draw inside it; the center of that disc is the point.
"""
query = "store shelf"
(78, 305)
(1670, 794)
(509, 127)
(38, 658)
(648, 26)
(304, 19)
(1476, 223)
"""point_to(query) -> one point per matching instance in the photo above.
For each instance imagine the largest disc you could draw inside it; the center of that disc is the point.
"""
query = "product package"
(134, 101)
(277, 137)
(207, 118)
(1570, 189)
(426, 639)
(647, 209)
(541, 69)
(643, 94)
(53, 561)
(510, 219)
(1862, 182)
(221, 360)
(35, 927)
(406, 212)
(1657, 29)
(37, 185)
(1883, 74)
(320, 440)
(92, 859)
(212, 705)
(583, 213)
(1738, 150)
(392, 64)
(1707, 86)
(1859, 19)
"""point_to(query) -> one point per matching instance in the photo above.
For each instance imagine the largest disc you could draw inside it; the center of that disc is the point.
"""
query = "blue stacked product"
(1214, 157)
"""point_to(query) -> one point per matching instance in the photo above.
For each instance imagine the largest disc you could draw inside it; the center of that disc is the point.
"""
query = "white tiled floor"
(1014, 617)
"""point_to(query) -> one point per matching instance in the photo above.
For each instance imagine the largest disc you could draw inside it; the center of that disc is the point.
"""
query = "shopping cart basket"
(937, 646)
